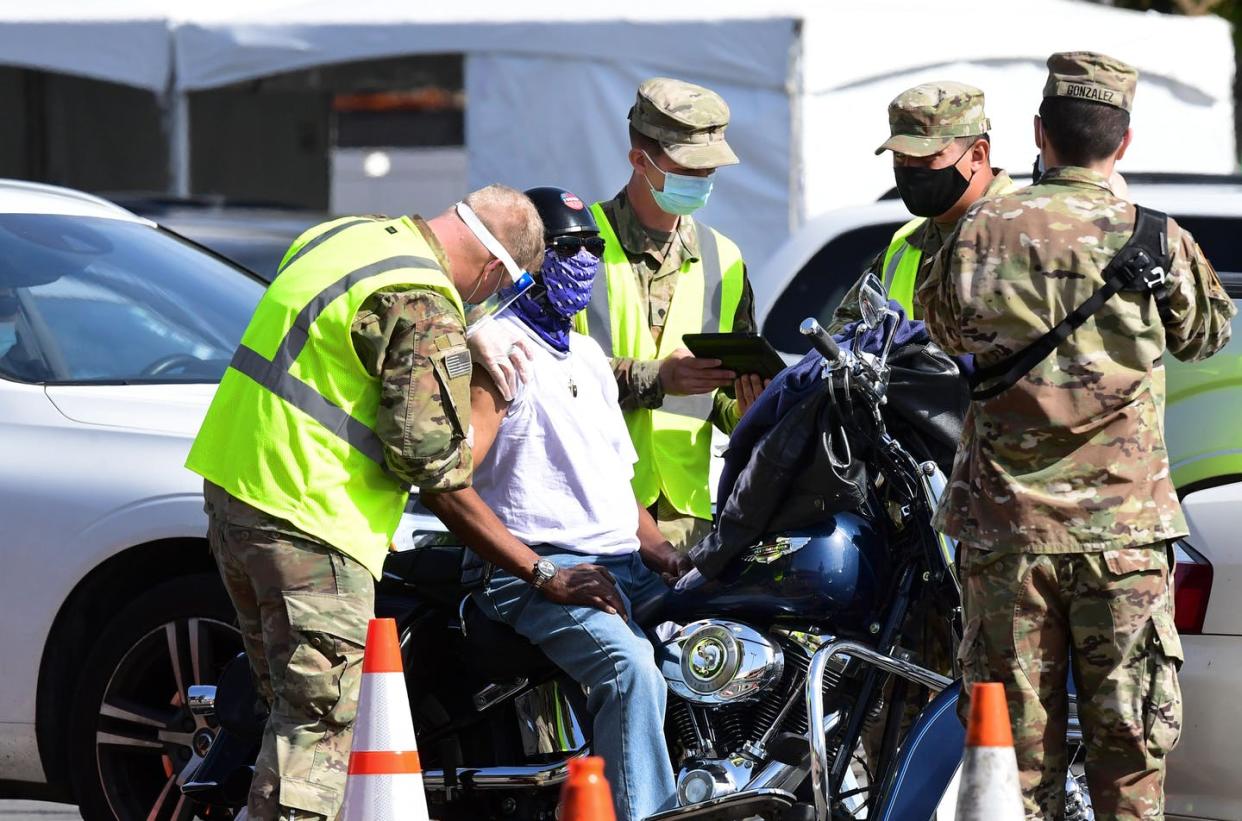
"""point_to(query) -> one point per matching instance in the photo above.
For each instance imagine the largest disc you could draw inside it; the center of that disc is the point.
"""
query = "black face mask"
(929, 192)
(1037, 170)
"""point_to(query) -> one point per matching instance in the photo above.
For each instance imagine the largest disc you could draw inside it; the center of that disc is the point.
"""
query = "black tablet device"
(740, 353)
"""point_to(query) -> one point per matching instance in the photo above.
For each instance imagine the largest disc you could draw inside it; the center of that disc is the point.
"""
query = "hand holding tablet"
(740, 353)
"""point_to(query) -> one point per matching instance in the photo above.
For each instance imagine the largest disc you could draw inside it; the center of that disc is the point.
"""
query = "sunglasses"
(569, 245)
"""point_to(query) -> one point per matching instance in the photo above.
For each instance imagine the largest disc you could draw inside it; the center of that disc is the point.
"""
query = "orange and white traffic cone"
(585, 796)
(989, 790)
(385, 779)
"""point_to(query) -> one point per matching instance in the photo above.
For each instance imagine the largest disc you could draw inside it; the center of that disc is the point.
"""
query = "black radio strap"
(1141, 265)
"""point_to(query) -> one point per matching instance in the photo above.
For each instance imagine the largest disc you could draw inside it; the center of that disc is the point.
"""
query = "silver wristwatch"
(544, 571)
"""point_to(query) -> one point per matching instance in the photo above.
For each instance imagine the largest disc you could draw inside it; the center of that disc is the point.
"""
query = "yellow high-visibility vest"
(901, 261)
(291, 430)
(901, 266)
(674, 440)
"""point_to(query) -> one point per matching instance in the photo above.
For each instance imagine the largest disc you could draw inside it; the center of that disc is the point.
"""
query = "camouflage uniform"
(302, 605)
(954, 110)
(658, 258)
(1060, 492)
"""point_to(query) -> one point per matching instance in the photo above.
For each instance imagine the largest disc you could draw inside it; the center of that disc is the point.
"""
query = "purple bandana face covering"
(565, 289)
(569, 280)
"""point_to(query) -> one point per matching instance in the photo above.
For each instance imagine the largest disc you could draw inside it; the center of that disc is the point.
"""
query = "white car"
(113, 335)
(812, 271)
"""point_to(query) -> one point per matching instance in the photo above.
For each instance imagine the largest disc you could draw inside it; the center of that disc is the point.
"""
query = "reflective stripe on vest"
(673, 441)
(293, 256)
(901, 266)
(291, 428)
(274, 374)
(599, 320)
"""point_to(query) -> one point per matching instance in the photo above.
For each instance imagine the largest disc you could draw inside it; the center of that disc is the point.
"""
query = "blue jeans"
(615, 660)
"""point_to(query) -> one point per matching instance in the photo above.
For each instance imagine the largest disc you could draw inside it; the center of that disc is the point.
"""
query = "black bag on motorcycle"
(928, 395)
(800, 472)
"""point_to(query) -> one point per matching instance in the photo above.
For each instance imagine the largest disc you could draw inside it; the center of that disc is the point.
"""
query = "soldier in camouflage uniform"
(941, 129)
(1060, 493)
(303, 604)
(675, 127)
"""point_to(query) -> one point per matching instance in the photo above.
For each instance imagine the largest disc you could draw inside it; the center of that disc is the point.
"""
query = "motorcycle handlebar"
(821, 341)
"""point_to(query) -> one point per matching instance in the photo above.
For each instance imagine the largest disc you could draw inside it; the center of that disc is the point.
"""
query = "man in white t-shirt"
(555, 464)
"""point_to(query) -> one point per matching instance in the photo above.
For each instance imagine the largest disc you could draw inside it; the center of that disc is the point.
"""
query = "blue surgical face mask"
(682, 194)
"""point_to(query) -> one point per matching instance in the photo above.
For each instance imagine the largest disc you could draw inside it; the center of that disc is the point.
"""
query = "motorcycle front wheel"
(854, 799)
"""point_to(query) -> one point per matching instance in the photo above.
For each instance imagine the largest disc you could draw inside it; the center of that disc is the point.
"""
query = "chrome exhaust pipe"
(775, 775)
(820, 786)
(501, 778)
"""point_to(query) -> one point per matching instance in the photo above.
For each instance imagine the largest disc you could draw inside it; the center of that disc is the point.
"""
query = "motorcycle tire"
(130, 731)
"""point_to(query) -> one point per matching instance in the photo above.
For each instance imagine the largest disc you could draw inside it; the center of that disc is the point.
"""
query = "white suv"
(812, 271)
(113, 335)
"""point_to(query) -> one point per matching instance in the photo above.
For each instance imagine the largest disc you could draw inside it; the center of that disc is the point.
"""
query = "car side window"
(20, 354)
(105, 301)
(817, 289)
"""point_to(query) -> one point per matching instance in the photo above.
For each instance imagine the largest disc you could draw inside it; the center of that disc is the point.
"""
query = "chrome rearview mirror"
(872, 301)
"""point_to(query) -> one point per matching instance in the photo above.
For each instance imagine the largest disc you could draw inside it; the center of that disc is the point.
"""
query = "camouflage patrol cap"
(926, 119)
(687, 120)
(1087, 75)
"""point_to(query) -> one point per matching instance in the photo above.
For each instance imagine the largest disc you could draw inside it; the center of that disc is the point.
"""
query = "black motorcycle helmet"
(562, 212)
(568, 224)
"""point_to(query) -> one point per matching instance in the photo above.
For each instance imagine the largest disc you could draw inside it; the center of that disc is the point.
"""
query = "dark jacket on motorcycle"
(790, 462)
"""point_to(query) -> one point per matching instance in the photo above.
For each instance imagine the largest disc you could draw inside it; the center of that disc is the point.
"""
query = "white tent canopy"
(1182, 119)
(548, 84)
(547, 94)
(125, 41)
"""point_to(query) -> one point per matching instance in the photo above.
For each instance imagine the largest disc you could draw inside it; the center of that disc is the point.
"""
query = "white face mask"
(479, 312)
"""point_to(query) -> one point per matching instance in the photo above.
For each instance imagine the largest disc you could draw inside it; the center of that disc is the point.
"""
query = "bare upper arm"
(487, 409)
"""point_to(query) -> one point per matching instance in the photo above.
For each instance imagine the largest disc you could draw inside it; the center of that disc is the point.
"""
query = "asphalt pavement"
(37, 811)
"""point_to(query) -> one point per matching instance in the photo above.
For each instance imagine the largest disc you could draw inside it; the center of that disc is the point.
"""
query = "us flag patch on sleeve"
(457, 362)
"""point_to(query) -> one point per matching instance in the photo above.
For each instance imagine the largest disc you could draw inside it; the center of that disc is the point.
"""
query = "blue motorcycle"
(810, 678)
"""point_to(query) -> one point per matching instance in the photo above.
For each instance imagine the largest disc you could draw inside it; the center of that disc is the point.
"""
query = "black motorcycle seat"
(496, 651)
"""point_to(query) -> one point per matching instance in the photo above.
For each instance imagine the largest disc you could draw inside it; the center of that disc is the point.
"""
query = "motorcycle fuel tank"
(832, 572)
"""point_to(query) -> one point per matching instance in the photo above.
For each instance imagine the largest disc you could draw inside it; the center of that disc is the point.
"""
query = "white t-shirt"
(559, 471)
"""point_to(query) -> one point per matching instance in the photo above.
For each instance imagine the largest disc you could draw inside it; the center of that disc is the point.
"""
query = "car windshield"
(98, 300)
(1218, 237)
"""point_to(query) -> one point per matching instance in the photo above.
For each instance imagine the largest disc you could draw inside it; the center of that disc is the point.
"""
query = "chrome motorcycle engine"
(714, 662)
(733, 689)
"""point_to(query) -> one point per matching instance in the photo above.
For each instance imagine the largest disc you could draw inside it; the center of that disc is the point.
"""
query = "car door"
(1204, 436)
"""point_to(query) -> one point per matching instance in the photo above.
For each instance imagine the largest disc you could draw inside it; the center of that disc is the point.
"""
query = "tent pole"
(795, 93)
(177, 128)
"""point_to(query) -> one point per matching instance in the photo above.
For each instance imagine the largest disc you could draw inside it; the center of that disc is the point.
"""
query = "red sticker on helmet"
(571, 200)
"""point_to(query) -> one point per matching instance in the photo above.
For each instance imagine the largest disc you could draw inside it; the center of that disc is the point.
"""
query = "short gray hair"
(511, 217)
